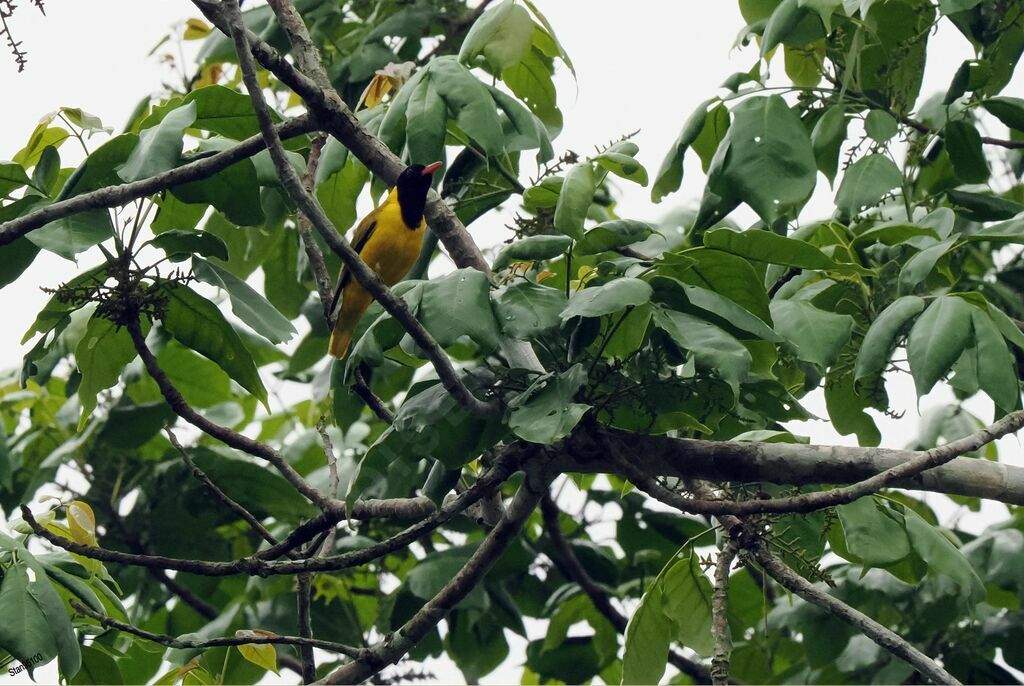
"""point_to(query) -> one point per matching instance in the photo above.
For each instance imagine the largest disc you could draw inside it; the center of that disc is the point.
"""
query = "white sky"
(642, 64)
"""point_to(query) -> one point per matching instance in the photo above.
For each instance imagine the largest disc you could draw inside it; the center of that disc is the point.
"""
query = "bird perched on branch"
(388, 240)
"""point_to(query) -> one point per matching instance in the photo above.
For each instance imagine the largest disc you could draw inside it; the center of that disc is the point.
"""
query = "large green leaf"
(502, 36)
(12, 177)
(818, 336)
(963, 143)
(101, 355)
(996, 373)
(248, 305)
(713, 348)
(670, 176)
(545, 412)
(866, 181)
(470, 102)
(728, 275)
(613, 296)
(880, 340)
(531, 82)
(75, 233)
(458, 304)
(943, 558)
(525, 309)
(769, 162)
(234, 191)
(159, 147)
(647, 640)
(574, 199)
(686, 594)
(218, 109)
(613, 234)
(425, 118)
(917, 268)
(937, 339)
(767, 246)
(872, 535)
(198, 324)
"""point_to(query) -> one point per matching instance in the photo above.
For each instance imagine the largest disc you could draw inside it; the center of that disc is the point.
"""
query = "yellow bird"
(389, 240)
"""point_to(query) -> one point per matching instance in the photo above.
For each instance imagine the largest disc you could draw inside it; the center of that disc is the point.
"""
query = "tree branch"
(221, 433)
(719, 614)
(248, 638)
(437, 608)
(885, 638)
(571, 567)
(324, 283)
(115, 196)
(309, 206)
(590, 451)
(259, 565)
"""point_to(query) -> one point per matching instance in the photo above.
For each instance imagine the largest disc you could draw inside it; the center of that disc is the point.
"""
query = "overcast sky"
(642, 64)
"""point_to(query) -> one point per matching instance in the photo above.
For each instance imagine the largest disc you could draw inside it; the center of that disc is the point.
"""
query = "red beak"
(430, 168)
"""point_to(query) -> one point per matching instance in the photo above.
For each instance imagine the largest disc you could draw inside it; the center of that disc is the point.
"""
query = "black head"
(413, 184)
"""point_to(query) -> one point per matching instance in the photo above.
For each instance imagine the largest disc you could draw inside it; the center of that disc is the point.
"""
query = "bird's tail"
(353, 306)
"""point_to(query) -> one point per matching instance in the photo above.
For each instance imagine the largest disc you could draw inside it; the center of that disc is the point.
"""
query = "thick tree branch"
(248, 638)
(571, 567)
(793, 464)
(115, 196)
(437, 608)
(309, 206)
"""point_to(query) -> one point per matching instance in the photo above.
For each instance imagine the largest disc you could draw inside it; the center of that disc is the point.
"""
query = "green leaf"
(818, 336)
(159, 147)
(917, 268)
(42, 137)
(873, 537)
(530, 249)
(734, 314)
(613, 234)
(248, 305)
(180, 244)
(574, 199)
(470, 102)
(647, 640)
(524, 131)
(624, 166)
(615, 295)
(730, 276)
(767, 246)
(1010, 111)
(73, 234)
(943, 558)
(963, 143)
(982, 207)
(97, 668)
(545, 412)
(713, 348)
(880, 126)
(880, 339)
(827, 141)
(996, 373)
(686, 594)
(44, 176)
(954, 6)
(865, 182)
(501, 36)
(198, 324)
(525, 309)
(716, 126)
(782, 22)
(670, 176)
(425, 119)
(15, 258)
(224, 111)
(12, 177)
(824, 8)
(937, 339)
(234, 191)
(101, 356)
(458, 304)
(769, 162)
(530, 81)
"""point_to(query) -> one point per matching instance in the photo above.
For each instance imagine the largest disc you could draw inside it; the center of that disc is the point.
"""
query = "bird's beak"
(430, 168)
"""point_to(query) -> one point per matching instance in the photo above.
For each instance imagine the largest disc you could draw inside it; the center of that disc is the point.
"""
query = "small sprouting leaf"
(82, 522)
(260, 654)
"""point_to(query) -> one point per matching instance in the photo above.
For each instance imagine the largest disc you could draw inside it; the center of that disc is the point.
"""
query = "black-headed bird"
(389, 240)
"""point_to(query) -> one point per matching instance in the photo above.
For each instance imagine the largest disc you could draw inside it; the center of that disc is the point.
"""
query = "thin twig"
(303, 593)
(370, 399)
(248, 638)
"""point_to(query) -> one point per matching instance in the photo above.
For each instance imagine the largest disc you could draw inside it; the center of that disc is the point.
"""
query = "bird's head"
(412, 185)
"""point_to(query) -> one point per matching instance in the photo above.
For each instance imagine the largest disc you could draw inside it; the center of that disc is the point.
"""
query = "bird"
(388, 240)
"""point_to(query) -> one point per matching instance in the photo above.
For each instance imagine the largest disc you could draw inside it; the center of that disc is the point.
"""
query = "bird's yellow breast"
(393, 248)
